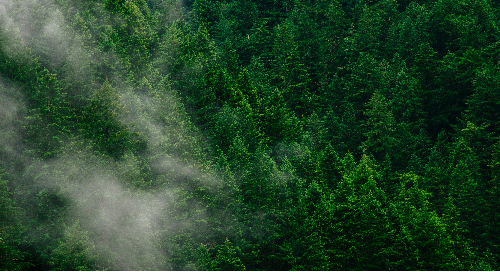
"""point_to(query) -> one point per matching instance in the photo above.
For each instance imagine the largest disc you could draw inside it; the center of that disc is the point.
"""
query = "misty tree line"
(257, 135)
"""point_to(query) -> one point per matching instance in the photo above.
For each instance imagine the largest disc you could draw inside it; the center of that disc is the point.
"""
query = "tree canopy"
(249, 135)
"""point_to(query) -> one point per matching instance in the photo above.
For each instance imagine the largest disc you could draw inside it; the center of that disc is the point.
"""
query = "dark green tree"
(12, 256)
(290, 73)
(381, 128)
(101, 125)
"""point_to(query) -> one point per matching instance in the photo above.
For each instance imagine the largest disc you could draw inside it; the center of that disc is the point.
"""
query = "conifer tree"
(100, 123)
(420, 238)
(381, 128)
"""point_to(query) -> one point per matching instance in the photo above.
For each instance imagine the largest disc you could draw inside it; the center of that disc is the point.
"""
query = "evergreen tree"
(291, 74)
(381, 128)
(100, 123)
(420, 238)
(12, 256)
(241, 111)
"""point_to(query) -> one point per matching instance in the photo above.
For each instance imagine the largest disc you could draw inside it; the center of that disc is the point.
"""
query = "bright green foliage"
(132, 35)
(465, 188)
(358, 219)
(420, 237)
(246, 96)
(259, 135)
(461, 247)
(224, 258)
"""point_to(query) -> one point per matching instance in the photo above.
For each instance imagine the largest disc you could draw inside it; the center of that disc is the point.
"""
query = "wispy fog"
(106, 197)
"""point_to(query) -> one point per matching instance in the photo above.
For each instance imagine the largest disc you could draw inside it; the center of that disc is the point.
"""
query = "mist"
(105, 201)
(259, 135)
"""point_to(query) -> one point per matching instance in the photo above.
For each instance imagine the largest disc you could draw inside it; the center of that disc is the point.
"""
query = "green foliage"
(223, 257)
(492, 204)
(459, 25)
(461, 247)
(420, 234)
(260, 135)
(373, 26)
(482, 105)
(100, 123)
(291, 75)
(74, 251)
(11, 256)
(359, 211)
(50, 117)
(380, 126)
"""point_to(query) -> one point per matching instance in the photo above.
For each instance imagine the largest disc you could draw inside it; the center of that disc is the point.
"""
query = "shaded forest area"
(257, 135)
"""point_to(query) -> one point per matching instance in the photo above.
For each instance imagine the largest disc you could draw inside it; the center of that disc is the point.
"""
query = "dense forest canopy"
(257, 135)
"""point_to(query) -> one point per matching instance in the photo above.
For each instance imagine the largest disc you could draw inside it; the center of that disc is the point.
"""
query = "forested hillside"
(249, 135)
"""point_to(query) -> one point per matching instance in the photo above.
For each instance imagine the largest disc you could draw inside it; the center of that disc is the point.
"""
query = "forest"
(249, 135)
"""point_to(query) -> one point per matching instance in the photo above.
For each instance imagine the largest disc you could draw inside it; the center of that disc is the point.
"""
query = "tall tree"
(101, 124)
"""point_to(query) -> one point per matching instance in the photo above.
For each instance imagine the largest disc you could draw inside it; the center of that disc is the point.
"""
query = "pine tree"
(50, 119)
(493, 205)
(354, 219)
(224, 258)
(420, 238)
(12, 256)
(290, 73)
(101, 125)
(75, 251)
(381, 128)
